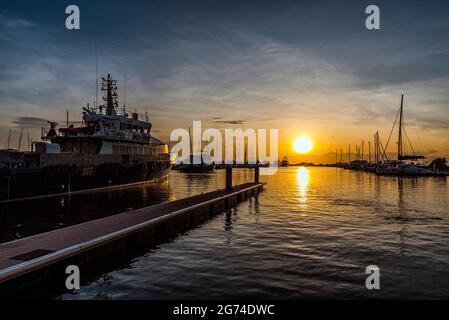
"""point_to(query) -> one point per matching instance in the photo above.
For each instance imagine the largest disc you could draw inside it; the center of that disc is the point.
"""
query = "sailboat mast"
(369, 151)
(376, 160)
(9, 139)
(363, 149)
(349, 154)
(379, 155)
(400, 130)
(20, 140)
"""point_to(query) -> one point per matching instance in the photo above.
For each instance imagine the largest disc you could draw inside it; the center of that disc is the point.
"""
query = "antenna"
(124, 93)
(96, 75)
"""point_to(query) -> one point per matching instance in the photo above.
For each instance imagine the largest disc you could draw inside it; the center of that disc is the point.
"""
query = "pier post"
(229, 178)
(256, 173)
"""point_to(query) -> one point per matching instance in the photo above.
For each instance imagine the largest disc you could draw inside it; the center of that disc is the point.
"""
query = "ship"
(111, 147)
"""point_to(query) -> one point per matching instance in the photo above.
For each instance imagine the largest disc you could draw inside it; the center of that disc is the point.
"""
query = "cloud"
(30, 122)
(239, 122)
(9, 20)
(312, 67)
(34, 122)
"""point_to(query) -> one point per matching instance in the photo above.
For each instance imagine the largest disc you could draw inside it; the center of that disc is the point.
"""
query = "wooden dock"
(35, 262)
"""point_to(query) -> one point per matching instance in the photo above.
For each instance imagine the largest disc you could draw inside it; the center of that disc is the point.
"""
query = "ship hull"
(21, 183)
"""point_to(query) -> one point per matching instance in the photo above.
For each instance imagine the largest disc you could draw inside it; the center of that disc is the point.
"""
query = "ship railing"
(125, 113)
(125, 136)
(132, 115)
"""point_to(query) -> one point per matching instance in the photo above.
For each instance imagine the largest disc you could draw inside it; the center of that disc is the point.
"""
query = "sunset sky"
(304, 67)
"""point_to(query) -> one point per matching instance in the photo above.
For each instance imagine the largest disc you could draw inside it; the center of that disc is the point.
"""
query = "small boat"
(385, 169)
(197, 164)
(411, 169)
(357, 164)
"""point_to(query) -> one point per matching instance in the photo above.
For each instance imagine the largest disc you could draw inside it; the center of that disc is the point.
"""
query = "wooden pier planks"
(50, 247)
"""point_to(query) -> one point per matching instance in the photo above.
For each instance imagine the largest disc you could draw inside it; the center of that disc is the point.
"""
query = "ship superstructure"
(111, 147)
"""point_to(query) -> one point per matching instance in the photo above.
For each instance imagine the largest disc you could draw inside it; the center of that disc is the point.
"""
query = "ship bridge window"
(141, 150)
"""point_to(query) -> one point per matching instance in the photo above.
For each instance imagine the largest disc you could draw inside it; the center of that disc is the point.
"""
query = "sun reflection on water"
(302, 179)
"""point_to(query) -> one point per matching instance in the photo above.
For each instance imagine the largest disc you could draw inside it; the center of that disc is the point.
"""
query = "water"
(311, 234)
(21, 219)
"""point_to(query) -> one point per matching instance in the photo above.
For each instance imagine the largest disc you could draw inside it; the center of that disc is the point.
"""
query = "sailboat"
(401, 167)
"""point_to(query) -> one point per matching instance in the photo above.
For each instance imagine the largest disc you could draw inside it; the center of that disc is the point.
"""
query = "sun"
(303, 144)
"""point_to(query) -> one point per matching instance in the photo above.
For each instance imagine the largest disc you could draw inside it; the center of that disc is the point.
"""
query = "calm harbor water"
(311, 234)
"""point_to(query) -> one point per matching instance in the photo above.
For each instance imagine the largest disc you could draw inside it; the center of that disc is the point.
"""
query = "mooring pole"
(229, 177)
(256, 173)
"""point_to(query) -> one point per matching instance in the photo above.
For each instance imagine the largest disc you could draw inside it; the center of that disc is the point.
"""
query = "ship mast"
(110, 86)
(400, 130)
